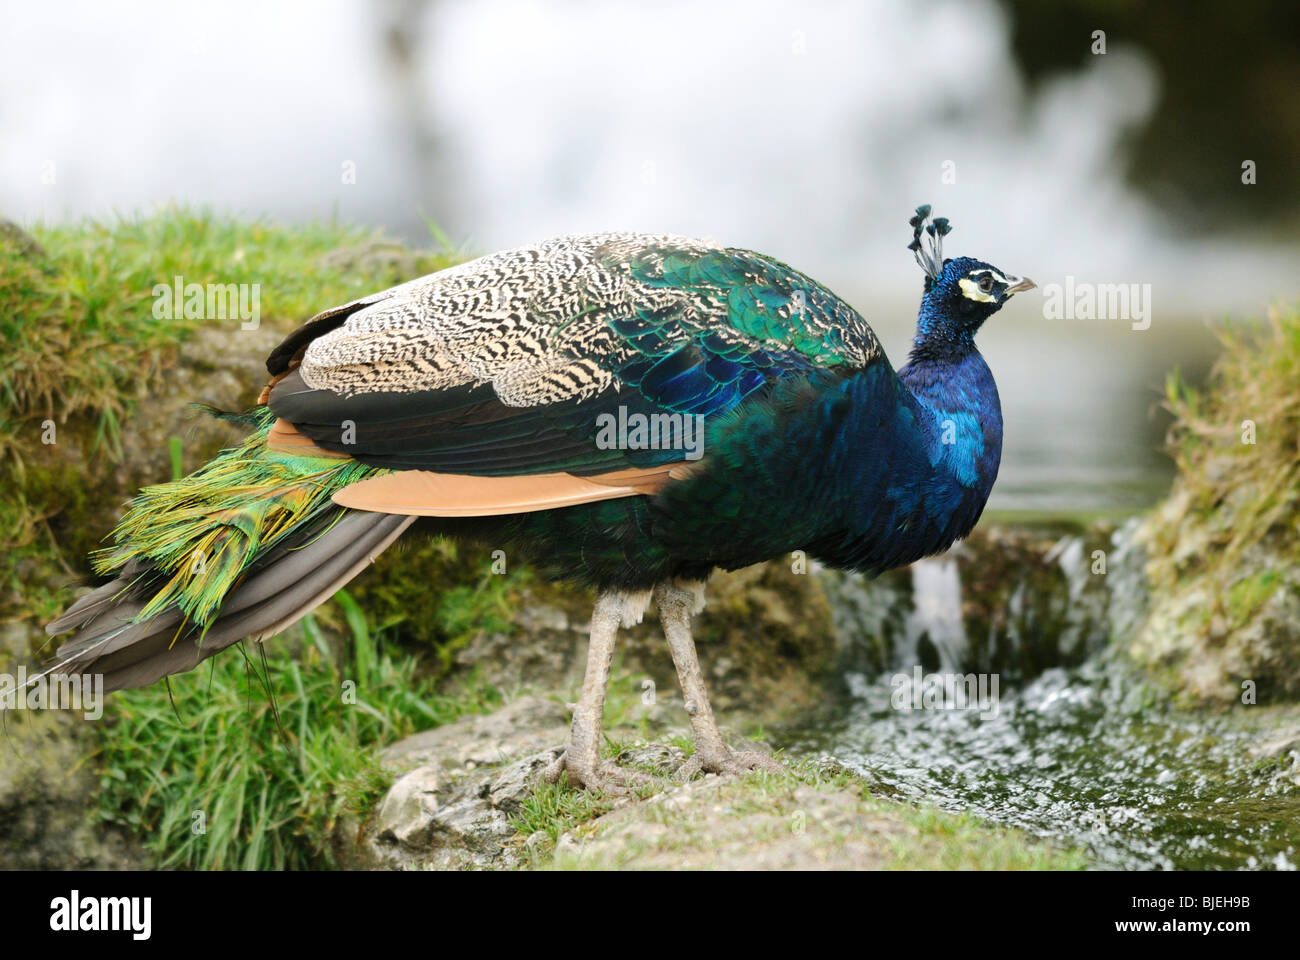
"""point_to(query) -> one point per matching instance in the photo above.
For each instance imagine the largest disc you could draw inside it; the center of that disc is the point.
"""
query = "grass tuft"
(267, 753)
(1255, 380)
(1224, 547)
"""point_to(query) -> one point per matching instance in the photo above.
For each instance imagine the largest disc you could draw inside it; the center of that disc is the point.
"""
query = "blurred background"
(806, 131)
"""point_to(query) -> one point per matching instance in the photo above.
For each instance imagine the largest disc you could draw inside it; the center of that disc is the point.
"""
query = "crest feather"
(928, 252)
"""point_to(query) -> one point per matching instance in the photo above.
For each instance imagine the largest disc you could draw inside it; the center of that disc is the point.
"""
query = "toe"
(737, 763)
(588, 775)
(554, 769)
(753, 760)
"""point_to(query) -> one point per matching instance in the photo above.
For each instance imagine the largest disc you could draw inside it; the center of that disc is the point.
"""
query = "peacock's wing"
(510, 365)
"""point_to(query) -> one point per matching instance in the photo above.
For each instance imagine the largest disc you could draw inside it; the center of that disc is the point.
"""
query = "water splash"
(1079, 757)
(1081, 751)
(935, 617)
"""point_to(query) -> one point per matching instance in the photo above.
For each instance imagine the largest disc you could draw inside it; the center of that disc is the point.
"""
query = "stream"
(1072, 746)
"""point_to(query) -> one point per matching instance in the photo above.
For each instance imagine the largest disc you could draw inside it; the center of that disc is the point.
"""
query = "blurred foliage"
(437, 594)
(1228, 93)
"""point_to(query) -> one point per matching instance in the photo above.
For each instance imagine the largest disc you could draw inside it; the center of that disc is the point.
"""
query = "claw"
(729, 763)
(604, 776)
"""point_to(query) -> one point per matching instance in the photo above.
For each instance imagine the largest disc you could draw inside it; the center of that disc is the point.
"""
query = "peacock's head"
(960, 293)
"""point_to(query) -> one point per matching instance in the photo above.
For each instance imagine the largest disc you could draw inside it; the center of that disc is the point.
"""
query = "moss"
(1249, 594)
(1224, 567)
(44, 785)
(438, 595)
(769, 634)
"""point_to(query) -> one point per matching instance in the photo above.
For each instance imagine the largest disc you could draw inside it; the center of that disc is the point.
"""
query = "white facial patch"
(971, 291)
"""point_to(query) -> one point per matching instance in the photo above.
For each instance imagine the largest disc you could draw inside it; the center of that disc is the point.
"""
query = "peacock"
(628, 411)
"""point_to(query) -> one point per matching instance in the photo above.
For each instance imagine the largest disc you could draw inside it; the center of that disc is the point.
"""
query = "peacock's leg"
(581, 759)
(677, 603)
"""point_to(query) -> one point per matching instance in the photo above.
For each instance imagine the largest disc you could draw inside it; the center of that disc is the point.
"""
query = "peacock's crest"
(927, 242)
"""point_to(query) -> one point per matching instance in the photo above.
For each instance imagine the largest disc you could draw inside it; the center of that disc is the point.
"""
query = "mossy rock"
(46, 790)
(1219, 634)
(1223, 625)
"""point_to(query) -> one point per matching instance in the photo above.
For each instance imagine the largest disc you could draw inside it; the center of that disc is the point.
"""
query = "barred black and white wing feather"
(502, 365)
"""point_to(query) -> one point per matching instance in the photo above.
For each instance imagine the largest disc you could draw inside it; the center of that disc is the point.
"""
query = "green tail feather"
(202, 532)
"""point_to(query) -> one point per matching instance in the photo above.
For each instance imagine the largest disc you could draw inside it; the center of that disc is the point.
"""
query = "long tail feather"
(243, 547)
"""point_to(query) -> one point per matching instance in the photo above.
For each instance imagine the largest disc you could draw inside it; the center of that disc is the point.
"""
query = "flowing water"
(1080, 753)
(1075, 757)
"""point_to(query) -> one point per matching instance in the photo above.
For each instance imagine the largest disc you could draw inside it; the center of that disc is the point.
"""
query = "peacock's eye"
(986, 283)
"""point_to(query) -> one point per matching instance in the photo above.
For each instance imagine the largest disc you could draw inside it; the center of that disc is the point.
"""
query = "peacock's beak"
(1018, 284)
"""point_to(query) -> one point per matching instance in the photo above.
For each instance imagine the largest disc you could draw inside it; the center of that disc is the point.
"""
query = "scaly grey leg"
(677, 602)
(581, 759)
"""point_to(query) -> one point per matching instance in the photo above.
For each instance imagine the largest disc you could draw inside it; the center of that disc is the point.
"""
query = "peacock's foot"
(593, 774)
(728, 763)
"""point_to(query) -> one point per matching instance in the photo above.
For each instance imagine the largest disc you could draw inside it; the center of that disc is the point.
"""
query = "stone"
(528, 724)
(46, 792)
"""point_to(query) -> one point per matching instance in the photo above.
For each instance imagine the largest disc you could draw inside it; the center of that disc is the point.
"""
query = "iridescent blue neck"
(940, 336)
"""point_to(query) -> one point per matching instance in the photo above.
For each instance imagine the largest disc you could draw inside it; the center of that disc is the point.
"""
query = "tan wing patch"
(283, 437)
(423, 493)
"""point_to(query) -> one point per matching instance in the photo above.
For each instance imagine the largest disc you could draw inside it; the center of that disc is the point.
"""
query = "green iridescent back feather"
(763, 299)
(581, 328)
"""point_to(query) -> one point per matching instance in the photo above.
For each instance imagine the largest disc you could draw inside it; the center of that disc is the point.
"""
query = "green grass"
(266, 775)
(555, 808)
(759, 811)
(80, 347)
(1225, 543)
(1256, 378)
(77, 322)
